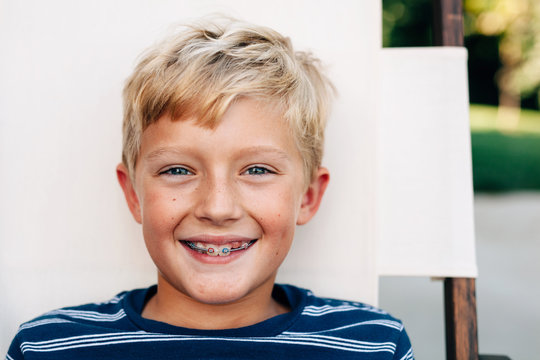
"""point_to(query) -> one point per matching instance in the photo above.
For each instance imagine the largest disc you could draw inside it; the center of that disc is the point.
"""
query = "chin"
(218, 298)
(219, 294)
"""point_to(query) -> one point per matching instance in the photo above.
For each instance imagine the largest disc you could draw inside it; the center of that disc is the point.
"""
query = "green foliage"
(406, 23)
(502, 160)
(517, 25)
(485, 118)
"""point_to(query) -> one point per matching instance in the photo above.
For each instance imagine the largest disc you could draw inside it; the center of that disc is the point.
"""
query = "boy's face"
(239, 183)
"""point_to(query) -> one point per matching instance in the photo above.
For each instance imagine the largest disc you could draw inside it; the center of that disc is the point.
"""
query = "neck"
(172, 306)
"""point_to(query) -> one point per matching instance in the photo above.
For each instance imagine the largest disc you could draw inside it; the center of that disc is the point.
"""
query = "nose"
(218, 201)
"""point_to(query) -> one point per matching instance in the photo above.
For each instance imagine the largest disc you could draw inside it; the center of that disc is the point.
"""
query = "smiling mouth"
(216, 250)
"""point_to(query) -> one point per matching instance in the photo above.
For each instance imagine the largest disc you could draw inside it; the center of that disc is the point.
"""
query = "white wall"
(66, 236)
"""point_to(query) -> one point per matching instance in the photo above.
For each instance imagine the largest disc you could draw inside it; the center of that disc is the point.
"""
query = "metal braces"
(224, 251)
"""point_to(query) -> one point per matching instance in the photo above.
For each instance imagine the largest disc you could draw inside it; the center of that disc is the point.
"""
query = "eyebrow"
(268, 149)
(163, 151)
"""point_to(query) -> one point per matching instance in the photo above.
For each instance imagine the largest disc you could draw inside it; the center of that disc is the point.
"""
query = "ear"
(129, 192)
(313, 196)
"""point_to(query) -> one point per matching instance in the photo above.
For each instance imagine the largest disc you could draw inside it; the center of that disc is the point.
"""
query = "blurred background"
(503, 41)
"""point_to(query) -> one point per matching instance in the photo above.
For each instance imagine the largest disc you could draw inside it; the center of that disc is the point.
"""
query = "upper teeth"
(217, 250)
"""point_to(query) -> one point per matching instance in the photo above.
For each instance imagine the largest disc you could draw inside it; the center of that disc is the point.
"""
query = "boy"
(223, 136)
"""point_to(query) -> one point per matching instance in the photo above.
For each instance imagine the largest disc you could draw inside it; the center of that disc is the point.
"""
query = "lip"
(218, 239)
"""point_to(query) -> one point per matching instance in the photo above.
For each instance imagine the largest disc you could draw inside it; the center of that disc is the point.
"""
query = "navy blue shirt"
(315, 328)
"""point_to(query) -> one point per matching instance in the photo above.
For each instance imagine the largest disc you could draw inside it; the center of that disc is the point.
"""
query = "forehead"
(248, 125)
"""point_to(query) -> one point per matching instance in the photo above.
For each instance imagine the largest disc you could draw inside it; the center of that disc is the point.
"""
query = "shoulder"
(314, 307)
(351, 326)
(92, 313)
(347, 313)
(61, 327)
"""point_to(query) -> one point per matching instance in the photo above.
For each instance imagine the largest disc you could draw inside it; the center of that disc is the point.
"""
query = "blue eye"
(258, 170)
(176, 171)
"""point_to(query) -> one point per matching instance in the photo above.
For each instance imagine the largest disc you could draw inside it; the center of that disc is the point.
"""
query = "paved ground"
(508, 287)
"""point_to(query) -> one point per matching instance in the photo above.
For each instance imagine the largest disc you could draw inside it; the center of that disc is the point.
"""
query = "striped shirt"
(316, 328)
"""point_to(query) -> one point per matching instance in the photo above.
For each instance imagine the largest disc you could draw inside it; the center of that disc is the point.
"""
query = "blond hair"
(202, 69)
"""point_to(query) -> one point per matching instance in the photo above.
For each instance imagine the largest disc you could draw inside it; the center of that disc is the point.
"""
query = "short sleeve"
(403, 347)
(14, 352)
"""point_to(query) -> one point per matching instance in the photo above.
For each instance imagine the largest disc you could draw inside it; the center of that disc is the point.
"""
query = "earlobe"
(129, 192)
(313, 196)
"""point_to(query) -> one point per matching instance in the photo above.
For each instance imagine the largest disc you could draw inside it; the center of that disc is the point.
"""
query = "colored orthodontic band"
(224, 251)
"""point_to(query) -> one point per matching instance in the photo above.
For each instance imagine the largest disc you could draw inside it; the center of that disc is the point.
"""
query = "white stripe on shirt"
(131, 337)
(89, 315)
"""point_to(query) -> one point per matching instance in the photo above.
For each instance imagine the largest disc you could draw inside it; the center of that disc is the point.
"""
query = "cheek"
(160, 211)
(277, 213)
(270, 201)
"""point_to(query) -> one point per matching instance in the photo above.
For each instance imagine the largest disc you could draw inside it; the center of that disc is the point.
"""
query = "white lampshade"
(425, 198)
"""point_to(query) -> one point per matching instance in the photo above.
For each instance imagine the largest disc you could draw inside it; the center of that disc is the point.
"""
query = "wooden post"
(447, 23)
(460, 319)
(459, 293)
